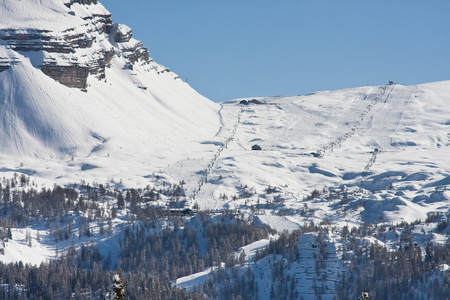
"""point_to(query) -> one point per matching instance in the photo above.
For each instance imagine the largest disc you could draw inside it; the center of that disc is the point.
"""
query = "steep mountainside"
(72, 83)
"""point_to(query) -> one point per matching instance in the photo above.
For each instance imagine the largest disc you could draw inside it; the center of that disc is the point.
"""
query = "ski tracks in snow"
(317, 270)
(211, 165)
(386, 120)
(222, 125)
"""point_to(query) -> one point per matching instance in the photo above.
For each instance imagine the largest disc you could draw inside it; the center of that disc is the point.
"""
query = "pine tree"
(118, 287)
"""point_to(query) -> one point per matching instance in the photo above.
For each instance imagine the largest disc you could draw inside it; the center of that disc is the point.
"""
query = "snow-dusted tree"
(364, 295)
(118, 287)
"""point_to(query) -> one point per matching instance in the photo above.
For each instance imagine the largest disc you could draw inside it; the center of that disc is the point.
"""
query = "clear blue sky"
(246, 48)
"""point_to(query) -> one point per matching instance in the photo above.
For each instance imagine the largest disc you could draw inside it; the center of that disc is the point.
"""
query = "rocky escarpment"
(60, 59)
(69, 4)
(123, 33)
(131, 49)
(72, 76)
(72, 54)
(6, 63)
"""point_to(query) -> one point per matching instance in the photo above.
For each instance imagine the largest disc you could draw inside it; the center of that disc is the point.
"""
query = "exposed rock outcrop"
(88, 2)
(72, 75)
(123, 34)
(132, 49)
(7, 59)
(6, 63)
(35, 40)
(72, 54)
(59, 51)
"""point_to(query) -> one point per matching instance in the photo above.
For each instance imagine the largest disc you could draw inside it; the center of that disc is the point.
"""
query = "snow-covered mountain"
(82, 101)
(75, 84)
(387, 140)
(78, 92)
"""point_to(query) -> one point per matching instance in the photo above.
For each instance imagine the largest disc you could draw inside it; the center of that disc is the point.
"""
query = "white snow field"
(391, 141)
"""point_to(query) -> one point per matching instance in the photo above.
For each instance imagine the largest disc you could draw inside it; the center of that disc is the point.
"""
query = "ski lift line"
(213, 161)
(353, 130)
(371, 162)
(376, 151)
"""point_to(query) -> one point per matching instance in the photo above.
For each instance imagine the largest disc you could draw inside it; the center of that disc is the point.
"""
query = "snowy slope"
(389, 140)
(38, 14)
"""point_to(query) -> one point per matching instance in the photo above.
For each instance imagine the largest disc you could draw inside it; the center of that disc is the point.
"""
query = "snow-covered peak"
(52, 15)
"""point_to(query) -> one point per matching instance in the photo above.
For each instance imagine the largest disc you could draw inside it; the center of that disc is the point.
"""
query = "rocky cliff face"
(70, 55)
(6, 63)
(69, 4)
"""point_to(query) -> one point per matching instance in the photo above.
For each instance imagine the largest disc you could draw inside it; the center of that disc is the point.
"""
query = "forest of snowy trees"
(158, 246)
